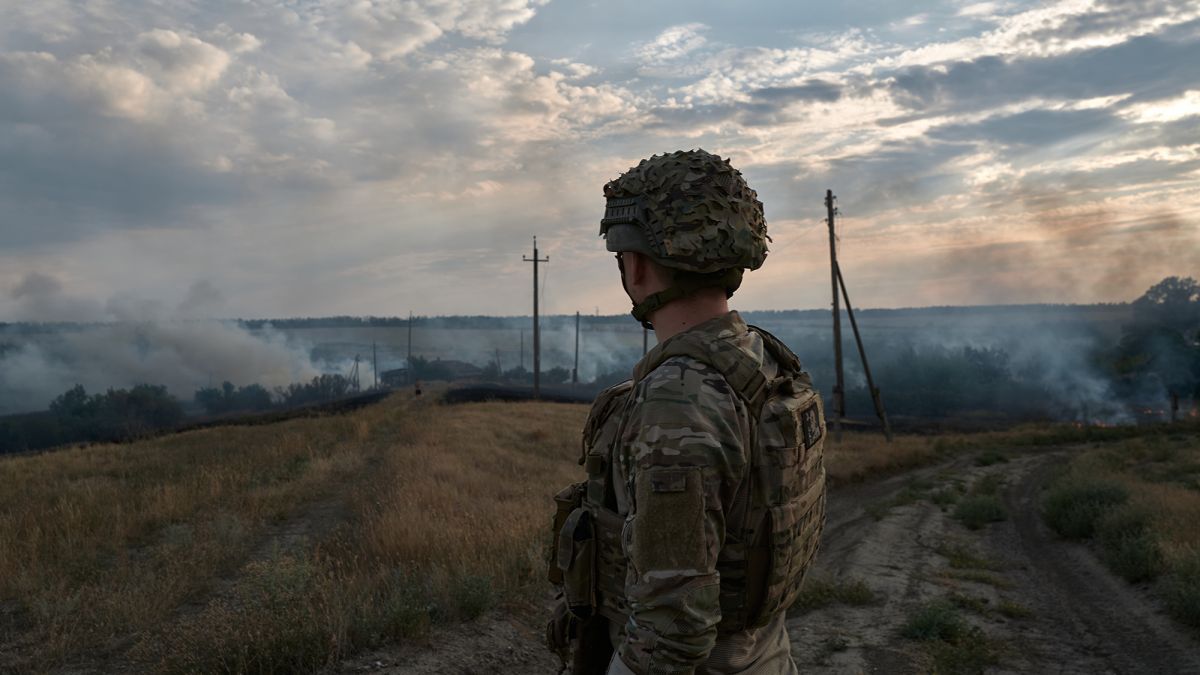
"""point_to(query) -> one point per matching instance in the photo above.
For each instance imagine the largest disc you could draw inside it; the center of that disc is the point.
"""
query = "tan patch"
(668, 525)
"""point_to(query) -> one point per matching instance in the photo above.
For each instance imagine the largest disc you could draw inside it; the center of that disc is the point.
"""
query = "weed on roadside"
(955, 645)
(1073, 506)
(1181, 592)
(960, 556)
(1128, 545)
(990, 457)
(1013, 610)
(979, 577)
(972, 602)
(821, 592)
(978, 510)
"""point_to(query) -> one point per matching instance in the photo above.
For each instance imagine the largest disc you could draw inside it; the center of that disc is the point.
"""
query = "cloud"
(673, 43)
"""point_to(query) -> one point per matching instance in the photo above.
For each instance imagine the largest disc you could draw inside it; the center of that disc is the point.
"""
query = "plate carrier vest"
(781, 494)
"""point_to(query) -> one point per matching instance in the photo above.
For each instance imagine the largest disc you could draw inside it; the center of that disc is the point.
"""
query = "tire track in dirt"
(1082, 619)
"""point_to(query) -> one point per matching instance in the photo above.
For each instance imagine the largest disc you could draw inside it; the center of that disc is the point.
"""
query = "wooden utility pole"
(839, 396)
(521, 354)
(537, 336)
(575, 370)
(375, 365)
(408, 363)
(876, 399)
(839, 391)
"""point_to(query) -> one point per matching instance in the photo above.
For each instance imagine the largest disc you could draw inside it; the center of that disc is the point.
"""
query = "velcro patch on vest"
(668, 480)
(810, 425)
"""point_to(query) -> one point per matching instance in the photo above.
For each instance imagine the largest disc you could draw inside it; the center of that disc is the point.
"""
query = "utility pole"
(408, 364)
(575, 370)
(521, 353)
(375, 365)
(839, 392)
(839, 396)
(876, 399)
(537, 346)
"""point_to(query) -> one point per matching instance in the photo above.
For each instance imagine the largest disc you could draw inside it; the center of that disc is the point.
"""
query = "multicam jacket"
(676, 449)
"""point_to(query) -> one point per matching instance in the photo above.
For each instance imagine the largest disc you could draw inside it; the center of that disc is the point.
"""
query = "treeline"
(120, 415)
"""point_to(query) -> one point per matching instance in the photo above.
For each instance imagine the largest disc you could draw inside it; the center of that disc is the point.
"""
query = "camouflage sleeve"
(683, 441)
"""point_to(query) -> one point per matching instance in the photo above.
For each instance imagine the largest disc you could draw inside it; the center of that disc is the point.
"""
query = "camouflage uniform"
(705, 493)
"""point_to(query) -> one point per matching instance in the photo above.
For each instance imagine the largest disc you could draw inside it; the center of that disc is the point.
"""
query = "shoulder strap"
(742, 373)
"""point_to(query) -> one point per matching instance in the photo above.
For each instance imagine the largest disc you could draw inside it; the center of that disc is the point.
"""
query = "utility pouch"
(567, 500)
(577, 562)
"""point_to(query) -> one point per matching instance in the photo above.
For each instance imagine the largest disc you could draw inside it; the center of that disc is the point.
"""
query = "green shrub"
(1127, 544)
(473, 595)
(819, 592)
(936, 620)
(1181, 591)
(975, 511)
(990, 457)
(1073, 506)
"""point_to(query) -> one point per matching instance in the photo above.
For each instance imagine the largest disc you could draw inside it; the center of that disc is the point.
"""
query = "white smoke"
(141, 343)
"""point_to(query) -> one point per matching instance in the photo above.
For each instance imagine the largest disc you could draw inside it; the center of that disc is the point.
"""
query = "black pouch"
(567, 500)
(577, 563)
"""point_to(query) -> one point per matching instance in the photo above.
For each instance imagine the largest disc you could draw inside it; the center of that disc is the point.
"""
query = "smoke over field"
(182, 355)
(1063, 362)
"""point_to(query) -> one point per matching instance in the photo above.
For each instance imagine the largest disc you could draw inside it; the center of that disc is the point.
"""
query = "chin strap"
(682, 286)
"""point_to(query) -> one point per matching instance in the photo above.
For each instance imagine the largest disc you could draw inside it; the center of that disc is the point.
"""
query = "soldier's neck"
(677, 316)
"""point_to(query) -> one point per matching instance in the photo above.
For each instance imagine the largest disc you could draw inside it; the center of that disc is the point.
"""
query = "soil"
(1037, 603)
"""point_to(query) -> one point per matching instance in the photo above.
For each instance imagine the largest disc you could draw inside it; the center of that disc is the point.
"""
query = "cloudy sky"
(374, 157)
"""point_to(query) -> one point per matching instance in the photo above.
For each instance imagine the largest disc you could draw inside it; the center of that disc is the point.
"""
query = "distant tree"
(1172, 303)
(229, 398)
(556, 375)
(321, 389)
(1161, 348)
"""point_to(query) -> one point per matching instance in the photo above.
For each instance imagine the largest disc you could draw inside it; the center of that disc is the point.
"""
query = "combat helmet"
(691, 212)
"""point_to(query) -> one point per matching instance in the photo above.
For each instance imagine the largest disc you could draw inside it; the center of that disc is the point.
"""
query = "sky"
(375, 157)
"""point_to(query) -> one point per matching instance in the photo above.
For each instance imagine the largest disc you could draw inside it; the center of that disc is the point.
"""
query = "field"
(391, 533)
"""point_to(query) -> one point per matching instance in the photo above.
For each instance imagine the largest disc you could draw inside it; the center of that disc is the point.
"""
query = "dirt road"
(1015, 597)
(1041, 605)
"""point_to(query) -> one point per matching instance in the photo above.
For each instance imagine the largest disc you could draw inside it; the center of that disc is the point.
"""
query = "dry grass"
(284, 547)
(1140, 499)
(172, 546)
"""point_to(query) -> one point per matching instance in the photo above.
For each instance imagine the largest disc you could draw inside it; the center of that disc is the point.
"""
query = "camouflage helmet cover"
(689, 210)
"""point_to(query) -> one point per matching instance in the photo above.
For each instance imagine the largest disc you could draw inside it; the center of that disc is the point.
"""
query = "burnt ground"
(1030, 602)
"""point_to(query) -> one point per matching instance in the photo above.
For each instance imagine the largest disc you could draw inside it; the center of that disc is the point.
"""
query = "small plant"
(1181, 591)
(945, 497)
(936, 620)
(956, 646)
(975, 511)
(990, 457)
(1013, 610)
(962, 557)
(1128, 546)
(988, 485)
(473, 596)
(1072, 507)
(823, 592)
(972, 602)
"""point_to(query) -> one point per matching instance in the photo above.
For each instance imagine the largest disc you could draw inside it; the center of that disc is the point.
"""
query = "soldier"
(705, 494)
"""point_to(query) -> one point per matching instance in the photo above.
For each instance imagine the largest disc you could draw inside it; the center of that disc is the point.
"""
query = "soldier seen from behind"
(705, 490)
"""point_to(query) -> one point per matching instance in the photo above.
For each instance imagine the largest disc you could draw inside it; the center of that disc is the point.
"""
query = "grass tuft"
(821, 592)
(1073, 507)
(975, 511)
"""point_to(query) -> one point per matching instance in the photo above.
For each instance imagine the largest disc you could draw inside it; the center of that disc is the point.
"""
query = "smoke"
(140, 342)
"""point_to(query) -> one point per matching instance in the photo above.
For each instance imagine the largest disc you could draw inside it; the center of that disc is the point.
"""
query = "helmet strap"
(683, 285)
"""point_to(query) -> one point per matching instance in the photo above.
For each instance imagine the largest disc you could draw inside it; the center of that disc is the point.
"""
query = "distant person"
(705, 495)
